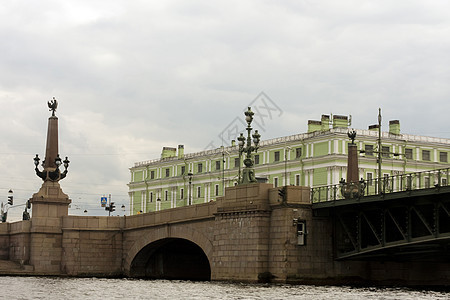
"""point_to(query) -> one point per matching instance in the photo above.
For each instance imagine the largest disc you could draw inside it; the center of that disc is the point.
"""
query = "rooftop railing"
(301, 137)
(385, 185)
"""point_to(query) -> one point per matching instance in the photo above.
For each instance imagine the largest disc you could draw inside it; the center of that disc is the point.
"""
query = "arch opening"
(171, 258)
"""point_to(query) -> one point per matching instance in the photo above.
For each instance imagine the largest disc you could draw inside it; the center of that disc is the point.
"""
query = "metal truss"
(411, 228)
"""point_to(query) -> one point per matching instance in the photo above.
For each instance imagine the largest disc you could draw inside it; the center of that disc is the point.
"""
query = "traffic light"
(10, 197)
(112, 207)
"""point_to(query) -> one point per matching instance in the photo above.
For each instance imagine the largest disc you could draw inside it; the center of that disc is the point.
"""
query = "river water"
(100, 288)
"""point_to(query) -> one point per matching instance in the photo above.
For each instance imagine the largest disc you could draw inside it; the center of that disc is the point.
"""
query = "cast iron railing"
(388, 184)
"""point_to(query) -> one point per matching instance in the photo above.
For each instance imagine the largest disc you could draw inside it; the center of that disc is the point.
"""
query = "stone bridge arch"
(158, 237)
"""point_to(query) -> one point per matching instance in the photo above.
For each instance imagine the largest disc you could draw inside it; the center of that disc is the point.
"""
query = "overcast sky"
(134, 76)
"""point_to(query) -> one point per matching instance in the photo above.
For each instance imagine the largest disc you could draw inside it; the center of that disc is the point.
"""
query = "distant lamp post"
(190, 175)
(248, 174)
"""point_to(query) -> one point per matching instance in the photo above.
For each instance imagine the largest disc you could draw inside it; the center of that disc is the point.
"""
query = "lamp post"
(285, 164)
(379, 151)
(248, 174)
(190, 188)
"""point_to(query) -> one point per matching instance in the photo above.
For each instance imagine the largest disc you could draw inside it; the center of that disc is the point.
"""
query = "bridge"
(245, 236)
(402, 218)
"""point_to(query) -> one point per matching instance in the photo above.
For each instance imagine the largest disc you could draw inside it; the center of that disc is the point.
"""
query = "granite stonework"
(249, 235)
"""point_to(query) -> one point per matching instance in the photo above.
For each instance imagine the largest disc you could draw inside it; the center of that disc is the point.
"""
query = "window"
(298, 152)
(277, 156)
(236, 162)
(152, 174)
(426, 155)
(275, 182)
(167, 172)
(409, 153)
(368, 149)
(217, 190)
(427, 182)
(385, 151)
(199, 192)
(297, 179)
(151, 197)
(181, 193)
(166, 195)
(183, 170)
(218, 165)
(443, 157)
(200, 168)
(369, 178)
(257, 159)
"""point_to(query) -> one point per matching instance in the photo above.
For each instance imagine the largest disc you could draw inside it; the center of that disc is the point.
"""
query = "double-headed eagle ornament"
(52, 104)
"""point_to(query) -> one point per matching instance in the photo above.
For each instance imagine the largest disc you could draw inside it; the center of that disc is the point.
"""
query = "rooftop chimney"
(314, 126)
(340, 121)
(373, 127)
(394, 127)
(180, 151)
(168, 152)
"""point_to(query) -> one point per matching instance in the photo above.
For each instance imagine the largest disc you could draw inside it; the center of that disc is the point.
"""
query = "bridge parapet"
(92, 223)
(294, 195)
(249, 197)
(174, 215)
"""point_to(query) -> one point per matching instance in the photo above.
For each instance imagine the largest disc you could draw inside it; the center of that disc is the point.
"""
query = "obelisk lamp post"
(248, 174)
(353, 188)
(50, 200)
(52, 160)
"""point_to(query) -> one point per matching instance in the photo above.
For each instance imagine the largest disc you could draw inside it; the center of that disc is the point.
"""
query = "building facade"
(315, 158)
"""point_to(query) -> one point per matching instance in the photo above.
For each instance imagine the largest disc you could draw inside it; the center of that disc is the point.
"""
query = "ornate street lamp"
(248, 174)
(52, 174)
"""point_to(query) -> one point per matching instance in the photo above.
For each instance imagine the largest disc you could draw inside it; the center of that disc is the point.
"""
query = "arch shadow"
(171, 258)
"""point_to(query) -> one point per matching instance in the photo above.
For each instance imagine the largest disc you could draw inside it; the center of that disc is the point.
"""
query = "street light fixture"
(53, 174)
(190, 175)
(248, 174)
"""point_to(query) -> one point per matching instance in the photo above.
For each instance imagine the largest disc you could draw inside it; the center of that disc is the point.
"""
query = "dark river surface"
(101, 288)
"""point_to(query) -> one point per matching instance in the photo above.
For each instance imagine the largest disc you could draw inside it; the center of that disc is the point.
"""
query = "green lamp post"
(248, 174)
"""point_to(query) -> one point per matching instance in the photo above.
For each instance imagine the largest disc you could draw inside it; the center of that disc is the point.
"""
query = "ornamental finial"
(52, 104)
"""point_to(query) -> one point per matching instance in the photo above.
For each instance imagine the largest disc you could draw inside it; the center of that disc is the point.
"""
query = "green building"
(315, 158)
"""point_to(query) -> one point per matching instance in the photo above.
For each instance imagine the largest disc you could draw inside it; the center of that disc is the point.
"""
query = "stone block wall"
(92, 246)
(241, 246)
(241, 233)
(4, 241)
(46, 251)
(19, 242)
